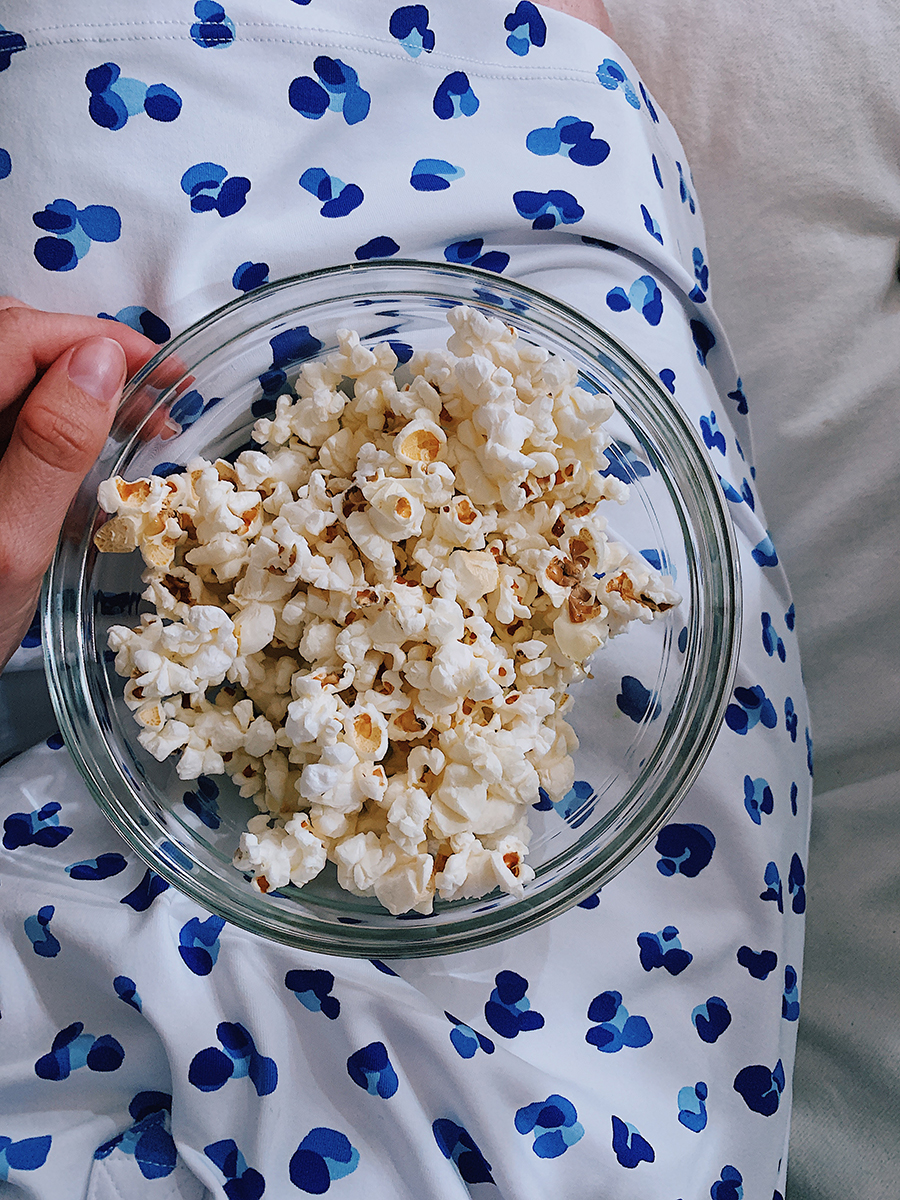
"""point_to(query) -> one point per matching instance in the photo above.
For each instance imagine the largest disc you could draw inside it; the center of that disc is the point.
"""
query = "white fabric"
(138, 996)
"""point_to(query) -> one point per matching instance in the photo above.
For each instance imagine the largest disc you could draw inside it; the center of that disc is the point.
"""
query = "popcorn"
(371, 623)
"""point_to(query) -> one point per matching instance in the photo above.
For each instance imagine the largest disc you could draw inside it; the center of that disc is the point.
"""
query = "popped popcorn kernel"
(372, 622)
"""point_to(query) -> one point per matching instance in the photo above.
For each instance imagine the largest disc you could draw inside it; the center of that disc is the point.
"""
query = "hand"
(61, 378)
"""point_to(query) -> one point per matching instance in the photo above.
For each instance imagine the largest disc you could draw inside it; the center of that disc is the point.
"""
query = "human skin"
(60, 384)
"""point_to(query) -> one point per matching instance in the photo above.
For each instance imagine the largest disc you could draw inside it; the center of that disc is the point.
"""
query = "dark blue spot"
(636, 701)
(711, 1019)
(761, 1088)
(151, 886)
(684, 849)
(378, 247)
(761, 964)
(631, 1149)
(664, 950)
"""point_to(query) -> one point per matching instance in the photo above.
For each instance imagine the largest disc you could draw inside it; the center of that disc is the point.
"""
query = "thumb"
(60, 430)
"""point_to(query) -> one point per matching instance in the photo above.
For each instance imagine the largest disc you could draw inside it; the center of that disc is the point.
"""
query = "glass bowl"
(646, 719)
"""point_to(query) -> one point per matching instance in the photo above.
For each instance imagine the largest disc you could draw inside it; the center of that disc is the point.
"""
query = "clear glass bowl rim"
(715, 575)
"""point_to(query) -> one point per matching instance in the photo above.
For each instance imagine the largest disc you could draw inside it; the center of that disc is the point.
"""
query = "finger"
(59, 432)
(13, 302)
(30, 340)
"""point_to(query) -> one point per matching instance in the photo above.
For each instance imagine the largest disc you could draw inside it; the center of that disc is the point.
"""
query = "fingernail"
(98, 368)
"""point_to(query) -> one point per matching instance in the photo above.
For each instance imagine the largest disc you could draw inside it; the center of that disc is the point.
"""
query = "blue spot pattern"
(704, 339)
(41, 828)
(728, 1185)
(409, 25)
(465, 1040)
(773, 890)
(198, 943)
(790, 718)
(10, 44)
(141, 319)
(636, 701)
(190, 407)
(616, 1027)
(72, 1049)
(211, 1068)
(151, 886)
(377, 247)
(667, 377)
(370, 1068)
(796, 884)
(33, 637)
(684, 849)
(472, 253)
(795, 791)
(337, 88)
(758, 798)
(554, 1123)
(764, 554)
(114, 98)
(37, 927)
(761, 1088)
(624, 463)
(612, 76)
(241, 1182)
(249, 276)
(323, 1156)
(28, 1154)
(790, 999)
(212, 189)
(509, 1011)
(526, 28)
(73, 232)
(592, 901)
(338, 198)
(454, 97)
(651, 225)
(213, 30)
(572, 138)
(664, 950)
(104, 866)
(790, 618)
(648, 103)
(753, 708)
(643, 296)
(701, 274)
(711, 1019)
(692, 1107)
(760, 964)
(739, 398)
(546, 210)
(149, 1139)
(574, 808)
(631, 1149)
(684, 191)
(744, 496)
(456, 1144)
(202, 802)
(434, 175)
(313, 989)
(713, 436)
(126, 990)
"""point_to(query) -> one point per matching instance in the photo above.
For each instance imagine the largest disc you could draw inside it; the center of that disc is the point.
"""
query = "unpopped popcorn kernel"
(372, 623)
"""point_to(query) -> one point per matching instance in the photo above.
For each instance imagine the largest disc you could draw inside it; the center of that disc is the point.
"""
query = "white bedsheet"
(790, 117)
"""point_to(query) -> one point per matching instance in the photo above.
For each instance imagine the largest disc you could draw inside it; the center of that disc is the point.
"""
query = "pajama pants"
(155, 163)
